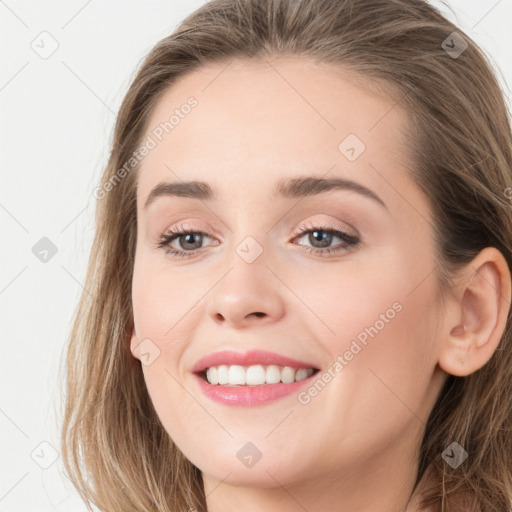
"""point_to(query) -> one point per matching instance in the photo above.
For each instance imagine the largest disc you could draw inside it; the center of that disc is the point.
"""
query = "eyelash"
(351, 242)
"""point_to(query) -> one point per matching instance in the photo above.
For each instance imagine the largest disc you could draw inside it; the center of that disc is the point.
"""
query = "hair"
(114, 447)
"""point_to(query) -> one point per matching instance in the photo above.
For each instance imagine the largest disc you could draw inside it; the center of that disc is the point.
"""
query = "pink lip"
(250, 395)
(249, 358)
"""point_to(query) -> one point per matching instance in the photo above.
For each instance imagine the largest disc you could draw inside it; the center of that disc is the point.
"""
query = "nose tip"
(246, 294)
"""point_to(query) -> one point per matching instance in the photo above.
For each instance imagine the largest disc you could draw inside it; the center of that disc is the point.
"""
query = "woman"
(338, 334)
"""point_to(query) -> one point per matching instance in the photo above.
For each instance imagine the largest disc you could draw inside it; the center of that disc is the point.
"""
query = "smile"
(256, 375)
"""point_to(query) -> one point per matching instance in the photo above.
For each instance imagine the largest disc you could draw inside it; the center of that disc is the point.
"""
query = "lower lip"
(250, 395)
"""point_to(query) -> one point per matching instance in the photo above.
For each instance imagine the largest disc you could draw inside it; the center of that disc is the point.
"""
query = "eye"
(190, 241)
(321, 237)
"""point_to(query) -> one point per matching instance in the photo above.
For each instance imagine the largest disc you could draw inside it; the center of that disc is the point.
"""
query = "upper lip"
(249, 358)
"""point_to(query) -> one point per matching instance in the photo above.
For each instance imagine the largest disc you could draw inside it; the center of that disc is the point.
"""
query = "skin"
(256, 123)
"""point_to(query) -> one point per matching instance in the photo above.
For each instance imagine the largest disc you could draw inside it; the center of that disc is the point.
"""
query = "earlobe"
(482, 309)
(134, 343)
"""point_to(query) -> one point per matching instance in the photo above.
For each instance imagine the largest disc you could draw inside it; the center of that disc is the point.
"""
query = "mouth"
(255, 375)
(252, 368)
(235, 385)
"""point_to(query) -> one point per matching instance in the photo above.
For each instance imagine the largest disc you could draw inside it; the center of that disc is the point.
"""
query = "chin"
(267, 472)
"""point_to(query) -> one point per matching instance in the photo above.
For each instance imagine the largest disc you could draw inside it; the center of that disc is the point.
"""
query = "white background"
(56, 122)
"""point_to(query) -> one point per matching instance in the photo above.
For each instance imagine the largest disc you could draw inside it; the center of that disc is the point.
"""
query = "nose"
(247, 294)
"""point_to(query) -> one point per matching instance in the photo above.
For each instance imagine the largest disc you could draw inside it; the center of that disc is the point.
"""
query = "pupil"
(324, 240)
(191, 238)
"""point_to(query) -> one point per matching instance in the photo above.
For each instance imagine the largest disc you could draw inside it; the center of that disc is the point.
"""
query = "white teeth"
(212, 375)
(236, 375)
(288, 374)
(302, 374)
(273, 375)
(222, 374)
(256, 375)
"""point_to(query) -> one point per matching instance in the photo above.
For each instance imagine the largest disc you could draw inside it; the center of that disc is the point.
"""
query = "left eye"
(324, 237)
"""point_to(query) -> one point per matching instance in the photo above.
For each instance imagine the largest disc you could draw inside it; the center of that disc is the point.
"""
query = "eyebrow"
(303, 186)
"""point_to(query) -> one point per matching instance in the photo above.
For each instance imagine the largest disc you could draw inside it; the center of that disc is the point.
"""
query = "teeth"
(236, 375)
(222, 373)
(273, 374)
(254, 375)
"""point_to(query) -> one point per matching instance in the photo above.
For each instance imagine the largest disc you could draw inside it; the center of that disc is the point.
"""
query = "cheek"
(162, 301)
(160, 306)
(380, 327)
(380, 322)
(392, 324)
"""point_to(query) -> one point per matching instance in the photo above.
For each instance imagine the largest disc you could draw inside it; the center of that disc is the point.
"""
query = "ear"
(478, 311)
(134, 343)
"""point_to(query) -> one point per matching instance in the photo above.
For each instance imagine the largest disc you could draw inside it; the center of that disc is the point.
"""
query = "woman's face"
(354, 296)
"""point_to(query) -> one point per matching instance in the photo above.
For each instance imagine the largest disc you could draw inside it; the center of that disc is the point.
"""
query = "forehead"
(257, 121)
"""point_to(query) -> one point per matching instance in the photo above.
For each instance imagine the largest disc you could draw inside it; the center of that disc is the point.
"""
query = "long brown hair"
(115, 449)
